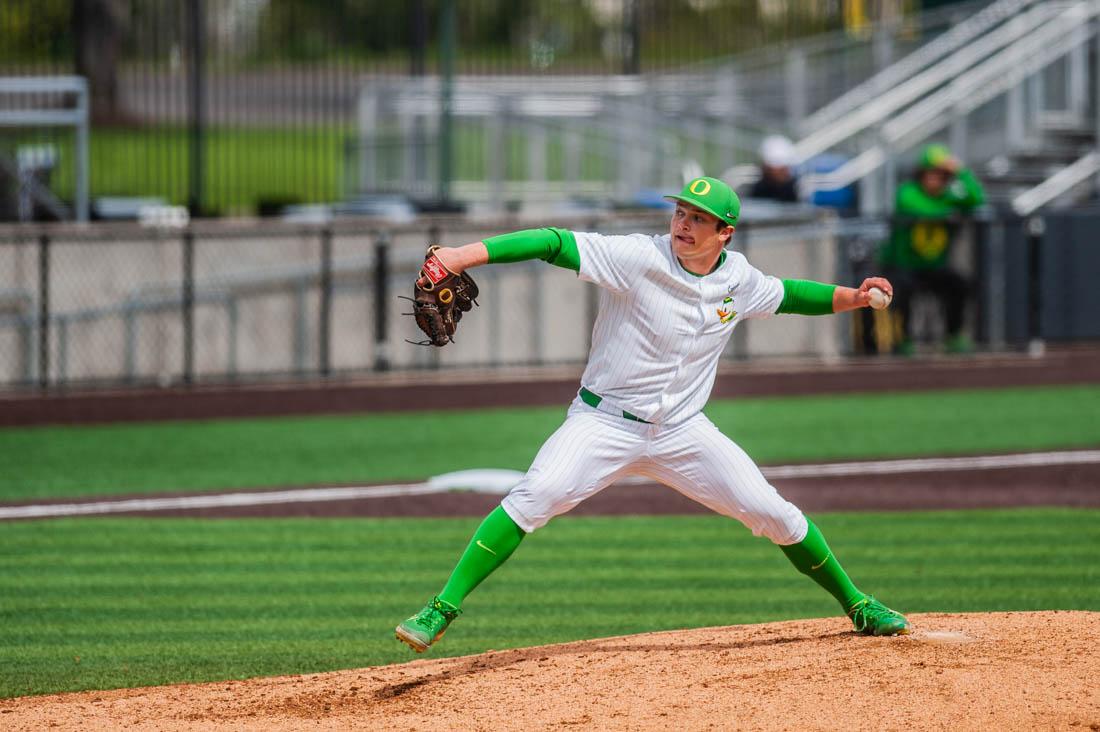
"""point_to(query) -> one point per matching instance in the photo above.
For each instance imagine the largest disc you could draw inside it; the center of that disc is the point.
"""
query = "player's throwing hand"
(867, 297)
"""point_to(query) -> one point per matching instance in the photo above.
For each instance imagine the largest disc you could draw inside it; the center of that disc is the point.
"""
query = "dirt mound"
(978, 671)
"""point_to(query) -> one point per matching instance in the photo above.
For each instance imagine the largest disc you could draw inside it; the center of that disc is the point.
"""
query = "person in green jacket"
(917, 256)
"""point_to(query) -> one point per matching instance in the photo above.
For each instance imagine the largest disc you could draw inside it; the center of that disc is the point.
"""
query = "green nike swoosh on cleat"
(486, 548)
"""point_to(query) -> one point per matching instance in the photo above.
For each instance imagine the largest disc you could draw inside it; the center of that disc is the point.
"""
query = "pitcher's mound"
(976, 671)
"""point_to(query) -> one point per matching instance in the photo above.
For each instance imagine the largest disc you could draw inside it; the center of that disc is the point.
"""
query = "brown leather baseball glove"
(440, 297)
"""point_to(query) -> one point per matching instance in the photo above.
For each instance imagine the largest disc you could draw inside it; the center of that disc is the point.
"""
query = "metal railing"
(952, 40)
(121, 305)
(1085, 168)
(1006, 72)
(250, 301)
(608, 138)
(32, 101)
(957, 66)
(785, 82)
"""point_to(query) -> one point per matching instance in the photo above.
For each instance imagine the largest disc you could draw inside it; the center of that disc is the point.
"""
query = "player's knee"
(784, 526)
(521, 514)
(531, 504)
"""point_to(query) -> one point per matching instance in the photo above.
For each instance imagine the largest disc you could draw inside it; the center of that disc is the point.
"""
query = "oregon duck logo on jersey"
(725, 316)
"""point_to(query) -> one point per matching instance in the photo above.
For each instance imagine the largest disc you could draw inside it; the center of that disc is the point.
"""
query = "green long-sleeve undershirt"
(559, 247)
(806, 297)
(556, 246)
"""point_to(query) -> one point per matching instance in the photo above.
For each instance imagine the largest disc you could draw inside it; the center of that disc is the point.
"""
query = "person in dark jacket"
(777, 179)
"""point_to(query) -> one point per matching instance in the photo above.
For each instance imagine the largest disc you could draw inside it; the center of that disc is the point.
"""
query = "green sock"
(813, 558)
(492, 543)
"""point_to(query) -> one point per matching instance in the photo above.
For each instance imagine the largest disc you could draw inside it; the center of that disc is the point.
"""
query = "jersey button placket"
(689, 348)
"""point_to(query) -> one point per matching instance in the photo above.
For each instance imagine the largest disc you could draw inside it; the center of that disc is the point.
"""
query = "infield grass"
(106, 603)
(43, 462)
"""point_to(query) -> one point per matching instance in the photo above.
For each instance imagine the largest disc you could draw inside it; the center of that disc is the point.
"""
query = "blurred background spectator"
(917, 257)
(777, 179)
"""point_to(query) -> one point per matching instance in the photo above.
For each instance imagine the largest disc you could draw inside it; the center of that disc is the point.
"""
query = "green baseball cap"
(934, 156)
(713, 196)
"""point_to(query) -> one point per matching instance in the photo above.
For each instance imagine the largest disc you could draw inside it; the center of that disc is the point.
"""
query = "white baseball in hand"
(879, 299)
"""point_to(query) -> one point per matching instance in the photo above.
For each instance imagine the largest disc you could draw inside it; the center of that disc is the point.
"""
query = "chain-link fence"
(128, 305)
(241, 302)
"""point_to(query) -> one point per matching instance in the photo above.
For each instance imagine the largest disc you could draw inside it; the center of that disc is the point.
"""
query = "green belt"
(593, 400)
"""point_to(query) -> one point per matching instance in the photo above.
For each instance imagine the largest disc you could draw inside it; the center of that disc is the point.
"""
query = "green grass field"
(46, 462)
(243, 165)
(296, 164)
(103, 603)
(109, 603)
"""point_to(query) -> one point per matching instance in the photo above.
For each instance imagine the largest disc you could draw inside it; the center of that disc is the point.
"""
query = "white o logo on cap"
(700, 184)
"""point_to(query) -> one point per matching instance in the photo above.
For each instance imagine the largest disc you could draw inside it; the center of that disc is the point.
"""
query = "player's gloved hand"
(440, 297)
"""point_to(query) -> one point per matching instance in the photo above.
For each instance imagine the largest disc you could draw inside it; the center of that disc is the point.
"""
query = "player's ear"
(726, 234)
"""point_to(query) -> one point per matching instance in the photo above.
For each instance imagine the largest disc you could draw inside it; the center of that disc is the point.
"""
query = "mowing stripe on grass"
(280, 453)
(108, 602)
(313, 495)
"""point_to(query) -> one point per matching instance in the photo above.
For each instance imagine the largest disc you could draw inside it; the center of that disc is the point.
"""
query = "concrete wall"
(115, 300)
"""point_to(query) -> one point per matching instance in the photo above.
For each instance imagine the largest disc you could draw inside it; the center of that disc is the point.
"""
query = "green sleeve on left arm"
(805, 297)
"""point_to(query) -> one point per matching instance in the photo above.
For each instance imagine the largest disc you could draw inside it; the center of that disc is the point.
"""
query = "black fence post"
(188, 306)
(196, 92)
(632, 58)
(418, 47)
(381, 302)
(979, 264)
(1035, 229)
(447, 41)
(325, 326)
(44, 312)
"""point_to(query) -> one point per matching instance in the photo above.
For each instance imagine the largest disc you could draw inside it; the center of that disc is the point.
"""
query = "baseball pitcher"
(667, 307)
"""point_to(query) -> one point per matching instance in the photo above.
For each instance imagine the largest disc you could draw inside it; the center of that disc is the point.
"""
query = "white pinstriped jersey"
(661, 329)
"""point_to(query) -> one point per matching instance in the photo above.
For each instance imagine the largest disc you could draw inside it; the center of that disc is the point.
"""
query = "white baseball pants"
(593, 449)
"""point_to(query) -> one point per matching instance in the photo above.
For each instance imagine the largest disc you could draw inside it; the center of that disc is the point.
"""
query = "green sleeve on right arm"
(806, 297)
(556, 246)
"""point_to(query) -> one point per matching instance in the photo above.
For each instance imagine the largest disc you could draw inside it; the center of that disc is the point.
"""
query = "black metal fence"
(123, 306)
(234, 107)
(219, 303)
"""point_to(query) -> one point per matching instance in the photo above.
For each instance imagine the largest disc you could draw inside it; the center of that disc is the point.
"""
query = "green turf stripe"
(127, 458)
(298, 596)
